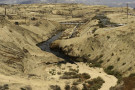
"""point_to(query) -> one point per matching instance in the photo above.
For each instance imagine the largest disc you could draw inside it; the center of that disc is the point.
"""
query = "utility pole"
(5, 11)
(25, 18)
(55, 2)
(127, 10)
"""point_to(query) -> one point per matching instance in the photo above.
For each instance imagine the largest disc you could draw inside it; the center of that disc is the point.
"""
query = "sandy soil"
(98, 72)
(83, 68)
(37, 84)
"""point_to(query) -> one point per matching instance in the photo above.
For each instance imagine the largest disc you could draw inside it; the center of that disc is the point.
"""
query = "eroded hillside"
(89, 34)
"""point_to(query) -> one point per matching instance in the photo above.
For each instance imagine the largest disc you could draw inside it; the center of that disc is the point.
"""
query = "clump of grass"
(4, 87)
(85, 76)
(59, 65)
(25, 88)
(110, 67)
(103, 21)
(67, 87)
(93, 84)
(52, 72)
(69, 75)
(95, 63)
(74, 70)
(55, 87)
(75, 83)
(59, 73)
(75, 75)
(109, 70)
(74, 88)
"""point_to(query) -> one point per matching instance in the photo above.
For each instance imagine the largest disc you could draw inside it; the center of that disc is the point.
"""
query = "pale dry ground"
(38, 84)
(83, 68)
(110, 81)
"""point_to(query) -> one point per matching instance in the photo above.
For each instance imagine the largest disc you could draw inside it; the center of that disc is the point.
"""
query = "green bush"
(59, 73)
(96, 80)
(95, 63)
(75, 75)
(70, 75)
(103, 21)
(74, 70)
(75, 83)
(110, 67)
(52, 72)
(85, 87)
(85, 76)
(55, 87)
(74, 88)
(24, 88)
(93, 84)
(117, 74)
(67, 87)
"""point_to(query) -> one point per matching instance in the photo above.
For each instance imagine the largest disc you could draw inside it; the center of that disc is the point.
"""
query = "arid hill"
(93, 35)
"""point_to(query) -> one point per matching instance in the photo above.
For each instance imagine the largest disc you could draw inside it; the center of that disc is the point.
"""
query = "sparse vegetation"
(52, 72)
(95, 39)
(109, 70)
(95, 63)
(118, 59)
(123, 63)
(104, 21)
(93, 84)
(59, 65)
(110, 67)
(55, 87)
(74, 70)
(85, 76)
(75, 83)
(74, 88)
(4, 87)
(67, 87)
(70, 75)
(59, 73)
(75, 75)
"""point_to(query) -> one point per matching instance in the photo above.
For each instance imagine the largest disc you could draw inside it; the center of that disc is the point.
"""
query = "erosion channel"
(109, 80)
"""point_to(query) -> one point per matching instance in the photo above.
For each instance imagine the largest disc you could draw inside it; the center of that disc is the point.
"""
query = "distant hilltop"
(3, 4)
(91, 2)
